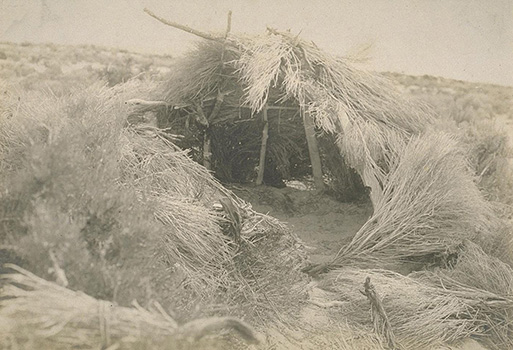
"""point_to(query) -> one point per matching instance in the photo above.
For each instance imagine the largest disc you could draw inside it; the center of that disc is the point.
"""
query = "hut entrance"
(278, 144)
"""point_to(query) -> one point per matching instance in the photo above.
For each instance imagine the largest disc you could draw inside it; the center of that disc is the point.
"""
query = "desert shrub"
(502, 101)
(119, 72)
(488, 151)
(59, 68)
(35, 313)
(53, 68)
(490, 157)
(473, 106)
(468, 111)
(64, 208)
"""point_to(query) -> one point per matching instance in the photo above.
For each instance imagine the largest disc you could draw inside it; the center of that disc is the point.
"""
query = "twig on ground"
(378, 314)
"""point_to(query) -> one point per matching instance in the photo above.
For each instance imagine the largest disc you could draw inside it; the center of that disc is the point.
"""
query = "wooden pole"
(263, 149)
(207, 150)
(313, 150)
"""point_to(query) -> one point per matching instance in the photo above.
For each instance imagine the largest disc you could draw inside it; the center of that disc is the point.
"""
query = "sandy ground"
(324, 225)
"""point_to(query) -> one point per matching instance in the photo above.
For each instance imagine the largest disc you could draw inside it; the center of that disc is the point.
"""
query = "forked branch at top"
(188, 29)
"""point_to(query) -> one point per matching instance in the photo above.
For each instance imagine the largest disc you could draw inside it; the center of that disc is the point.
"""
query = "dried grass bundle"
(320, 81)
(37, 313)
(423, 314)
(430, 203)
(259, 67)
(152, 162)
(474, 267)
(269, 265)
(199, 75)
(194, 240)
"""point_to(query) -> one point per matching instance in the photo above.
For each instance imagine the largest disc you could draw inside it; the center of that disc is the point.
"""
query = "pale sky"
(462, 39)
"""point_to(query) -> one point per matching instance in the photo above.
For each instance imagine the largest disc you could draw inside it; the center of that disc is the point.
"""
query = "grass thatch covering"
(430, 308)
(119, 212)
(35, 313)
(182, 193)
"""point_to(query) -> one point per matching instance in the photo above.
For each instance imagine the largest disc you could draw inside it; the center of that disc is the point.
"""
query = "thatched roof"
(424, 195)
(371, 120)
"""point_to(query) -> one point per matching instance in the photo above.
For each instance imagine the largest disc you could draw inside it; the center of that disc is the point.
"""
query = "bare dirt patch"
(324, 224)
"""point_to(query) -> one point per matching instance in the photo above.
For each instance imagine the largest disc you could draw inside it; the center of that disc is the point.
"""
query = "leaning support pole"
(207, 140)
(263, 148)
(184, 27)
(313, 150)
